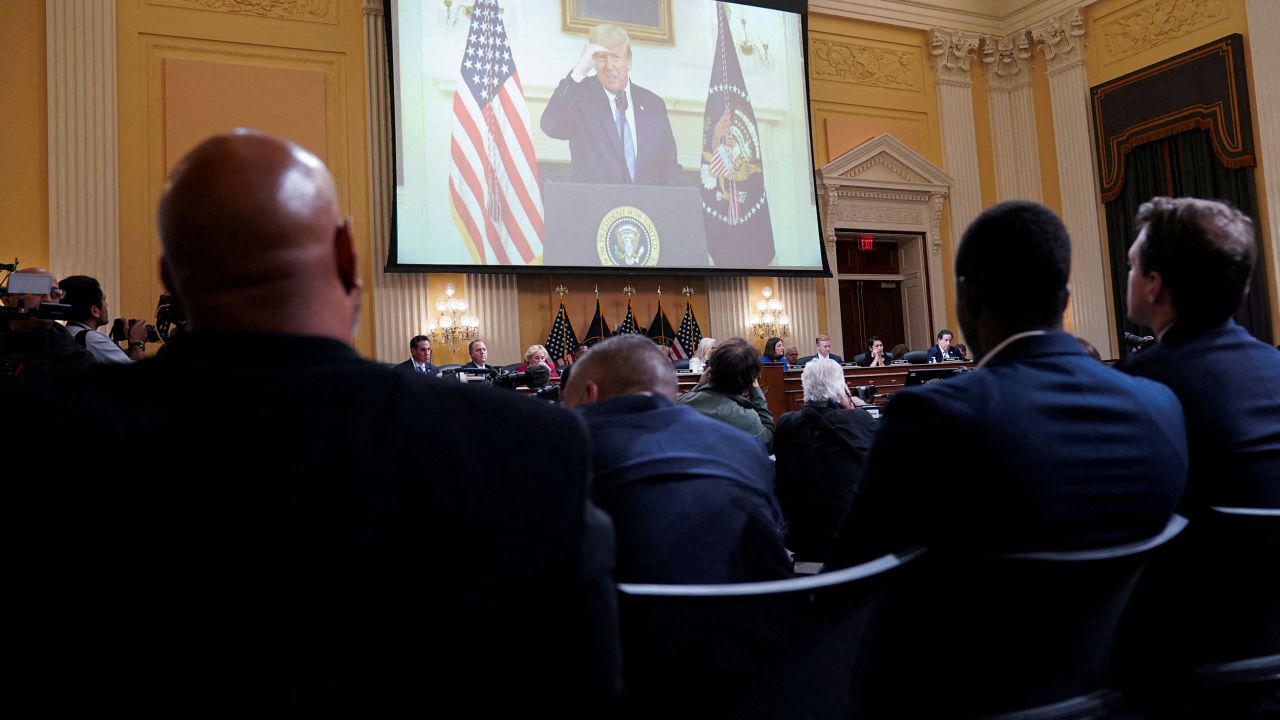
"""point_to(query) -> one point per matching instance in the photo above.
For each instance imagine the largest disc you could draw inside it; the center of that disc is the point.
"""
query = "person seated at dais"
(775, 351)
(536, 355)
(875, 356)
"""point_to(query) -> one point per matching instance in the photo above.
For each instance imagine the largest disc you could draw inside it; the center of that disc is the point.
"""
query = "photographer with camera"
(30, 341)
(89, 312)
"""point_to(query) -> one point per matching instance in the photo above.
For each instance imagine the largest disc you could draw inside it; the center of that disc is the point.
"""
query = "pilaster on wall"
(84, 223)
(400, 308)
(1264, 38)
(800, 296)
(952, 53)
(1061, 40)
(1007, 64)
(729, 299)
(495, 301)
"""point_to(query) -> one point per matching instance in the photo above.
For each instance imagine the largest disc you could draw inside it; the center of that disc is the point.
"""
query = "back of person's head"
(621, 365)
(1014, 261)
(899, 350)
(735, 365)
(83, 294)
(1204, 251)
(823, 381)
(254, 240)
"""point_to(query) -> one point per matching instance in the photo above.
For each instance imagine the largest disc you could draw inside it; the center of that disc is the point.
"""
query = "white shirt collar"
(1006, 342)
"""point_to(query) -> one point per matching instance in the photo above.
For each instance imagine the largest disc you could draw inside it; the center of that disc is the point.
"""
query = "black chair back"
(681, 364)
(977, 635)
(783, 648)
(917, 357)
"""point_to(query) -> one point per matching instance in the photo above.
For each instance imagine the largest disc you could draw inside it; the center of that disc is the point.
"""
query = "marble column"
(952, 52)
(1006, 62)
(729, 301)
(400, 307)
(1264, 39)
(830, 287)
(1060, 39)
(84, 215)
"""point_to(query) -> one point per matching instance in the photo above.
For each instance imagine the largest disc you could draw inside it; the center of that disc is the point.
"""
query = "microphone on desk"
(1138, 342)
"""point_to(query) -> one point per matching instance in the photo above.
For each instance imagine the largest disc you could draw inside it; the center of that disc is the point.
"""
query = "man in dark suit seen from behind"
(691, 498)
(1189, 271)
(419, 357)
(295, 540)
(618, 132)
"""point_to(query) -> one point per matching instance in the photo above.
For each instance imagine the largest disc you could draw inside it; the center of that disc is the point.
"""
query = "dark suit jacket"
(691, 498)
(864, 360)
(407, 366)
(935, 353)
(801, 362)
(1229, 385)
(581, 113)
(278, 530)
(820, 454)
(1042, 449)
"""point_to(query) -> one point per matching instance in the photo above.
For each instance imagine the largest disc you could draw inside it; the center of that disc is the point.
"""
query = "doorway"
(882, 289)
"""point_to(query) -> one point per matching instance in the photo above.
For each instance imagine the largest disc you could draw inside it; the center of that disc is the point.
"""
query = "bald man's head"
(254, 239)
(622, 365)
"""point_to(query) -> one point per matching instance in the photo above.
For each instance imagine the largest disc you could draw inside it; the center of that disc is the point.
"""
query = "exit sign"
(866, 242)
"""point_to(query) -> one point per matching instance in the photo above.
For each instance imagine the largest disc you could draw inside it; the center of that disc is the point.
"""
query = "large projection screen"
(594, 136)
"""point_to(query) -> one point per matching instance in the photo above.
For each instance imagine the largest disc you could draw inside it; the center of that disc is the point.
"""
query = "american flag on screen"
(493, 180)
(687, 337)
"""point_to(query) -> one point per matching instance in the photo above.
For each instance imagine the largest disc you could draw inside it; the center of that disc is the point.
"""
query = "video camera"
(42, 285)
(535, 377)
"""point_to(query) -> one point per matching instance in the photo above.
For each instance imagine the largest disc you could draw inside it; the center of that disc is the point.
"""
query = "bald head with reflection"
(254, 240)
(621, 365)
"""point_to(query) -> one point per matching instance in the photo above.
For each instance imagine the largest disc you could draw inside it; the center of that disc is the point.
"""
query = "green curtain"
(1182, 165)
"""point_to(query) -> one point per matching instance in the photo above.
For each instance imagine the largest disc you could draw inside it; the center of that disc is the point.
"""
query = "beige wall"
(24, 144)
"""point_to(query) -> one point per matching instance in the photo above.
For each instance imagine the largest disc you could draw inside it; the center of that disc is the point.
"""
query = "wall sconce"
(454, 326)
(771, 318)
(749, 46)
(453, 14)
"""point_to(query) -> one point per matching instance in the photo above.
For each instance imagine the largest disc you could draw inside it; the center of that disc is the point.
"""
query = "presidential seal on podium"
(627, 238)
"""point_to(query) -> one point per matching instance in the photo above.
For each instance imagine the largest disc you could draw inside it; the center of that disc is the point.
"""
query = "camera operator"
(88, 313)
(30, 341)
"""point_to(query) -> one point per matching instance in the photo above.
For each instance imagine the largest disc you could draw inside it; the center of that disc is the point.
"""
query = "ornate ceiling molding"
(952, 52)
(1154, 22)
(985, 17)
(321, 11)
(859, 64)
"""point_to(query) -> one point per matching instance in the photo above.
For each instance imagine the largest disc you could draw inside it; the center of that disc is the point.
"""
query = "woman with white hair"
(820, 452)
(702, 355)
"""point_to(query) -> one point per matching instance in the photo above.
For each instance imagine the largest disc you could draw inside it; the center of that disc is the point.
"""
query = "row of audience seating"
(1018, 637)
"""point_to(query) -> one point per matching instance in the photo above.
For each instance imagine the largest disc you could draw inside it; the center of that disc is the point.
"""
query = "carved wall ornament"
(889, 163)
(952, 52)
(878, 214)
(372, 7)
(1155, 23)
(864, 65)
(1059, 39)
(1006, 59)
(935, 222)
(323, 11)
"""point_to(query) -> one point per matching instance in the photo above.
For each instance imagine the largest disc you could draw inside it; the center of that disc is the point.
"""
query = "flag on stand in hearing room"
(561, 343)
(735, 210)
(599, 329)
(688, 336)
(493, 175)
(660, 331)
(629, 325)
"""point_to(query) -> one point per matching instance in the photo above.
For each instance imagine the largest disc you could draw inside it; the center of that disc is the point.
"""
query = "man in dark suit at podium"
(618, 132)
(419, 357)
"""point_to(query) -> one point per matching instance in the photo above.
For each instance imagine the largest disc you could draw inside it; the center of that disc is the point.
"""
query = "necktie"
(628, 147)
(422, 369)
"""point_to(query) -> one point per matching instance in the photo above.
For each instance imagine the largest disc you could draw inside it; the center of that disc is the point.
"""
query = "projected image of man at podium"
(618, 132)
